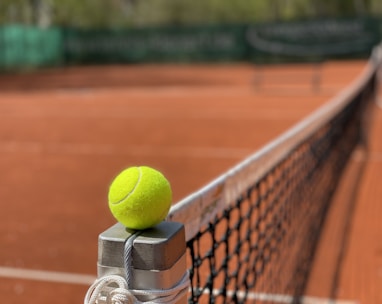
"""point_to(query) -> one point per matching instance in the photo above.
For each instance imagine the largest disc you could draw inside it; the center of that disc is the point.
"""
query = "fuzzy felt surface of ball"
(140, 197)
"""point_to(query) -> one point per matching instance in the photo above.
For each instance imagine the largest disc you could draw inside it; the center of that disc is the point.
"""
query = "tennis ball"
(140, 197)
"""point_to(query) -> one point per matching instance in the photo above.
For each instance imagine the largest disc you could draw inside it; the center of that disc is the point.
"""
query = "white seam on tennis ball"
(132, 190)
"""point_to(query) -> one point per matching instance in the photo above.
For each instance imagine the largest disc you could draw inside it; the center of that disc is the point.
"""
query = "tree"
(125, 13)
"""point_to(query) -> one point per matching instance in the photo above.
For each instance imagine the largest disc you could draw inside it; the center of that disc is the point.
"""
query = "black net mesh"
(260, 250)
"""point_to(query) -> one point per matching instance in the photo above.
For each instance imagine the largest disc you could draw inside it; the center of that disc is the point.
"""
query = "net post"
(317, 76)
(158, 259)
(258, 76)
(376, 58)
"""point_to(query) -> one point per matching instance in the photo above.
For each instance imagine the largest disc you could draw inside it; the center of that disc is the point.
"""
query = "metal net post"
(152, 262)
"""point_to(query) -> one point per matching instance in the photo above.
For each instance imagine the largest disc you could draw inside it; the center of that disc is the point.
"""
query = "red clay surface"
(64, 134)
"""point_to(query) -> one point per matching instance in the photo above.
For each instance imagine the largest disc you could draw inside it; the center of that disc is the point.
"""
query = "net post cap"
(157, 248)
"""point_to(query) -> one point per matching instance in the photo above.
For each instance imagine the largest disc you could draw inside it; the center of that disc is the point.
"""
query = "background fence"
(25, 47)
(31, 47)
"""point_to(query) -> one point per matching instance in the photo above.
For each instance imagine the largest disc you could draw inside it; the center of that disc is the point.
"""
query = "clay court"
(65, 133)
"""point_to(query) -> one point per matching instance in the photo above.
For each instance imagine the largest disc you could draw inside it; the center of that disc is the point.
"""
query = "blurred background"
(38, 33)
(90, 87)
(133, 13)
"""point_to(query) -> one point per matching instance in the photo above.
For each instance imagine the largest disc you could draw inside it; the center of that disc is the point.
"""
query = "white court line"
(368, 157)
(47, 276)
(128, 113)
(378, 101)
(36, 147)
(84, 279)
(375, 157)
(107, 149)
(289, 299)
(284, 299)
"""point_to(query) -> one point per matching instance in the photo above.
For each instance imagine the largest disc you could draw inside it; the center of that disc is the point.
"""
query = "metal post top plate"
(157, 248)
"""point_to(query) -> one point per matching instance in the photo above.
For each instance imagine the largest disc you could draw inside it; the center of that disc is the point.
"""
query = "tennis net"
(251, 233)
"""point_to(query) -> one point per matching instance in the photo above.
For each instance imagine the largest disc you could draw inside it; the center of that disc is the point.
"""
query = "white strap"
(112, 289)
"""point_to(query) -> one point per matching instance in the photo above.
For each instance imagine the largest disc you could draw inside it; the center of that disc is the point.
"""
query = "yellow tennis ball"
(140, 197)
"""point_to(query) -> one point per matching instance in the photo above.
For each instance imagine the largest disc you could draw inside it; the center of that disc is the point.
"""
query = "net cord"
(198, 209)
